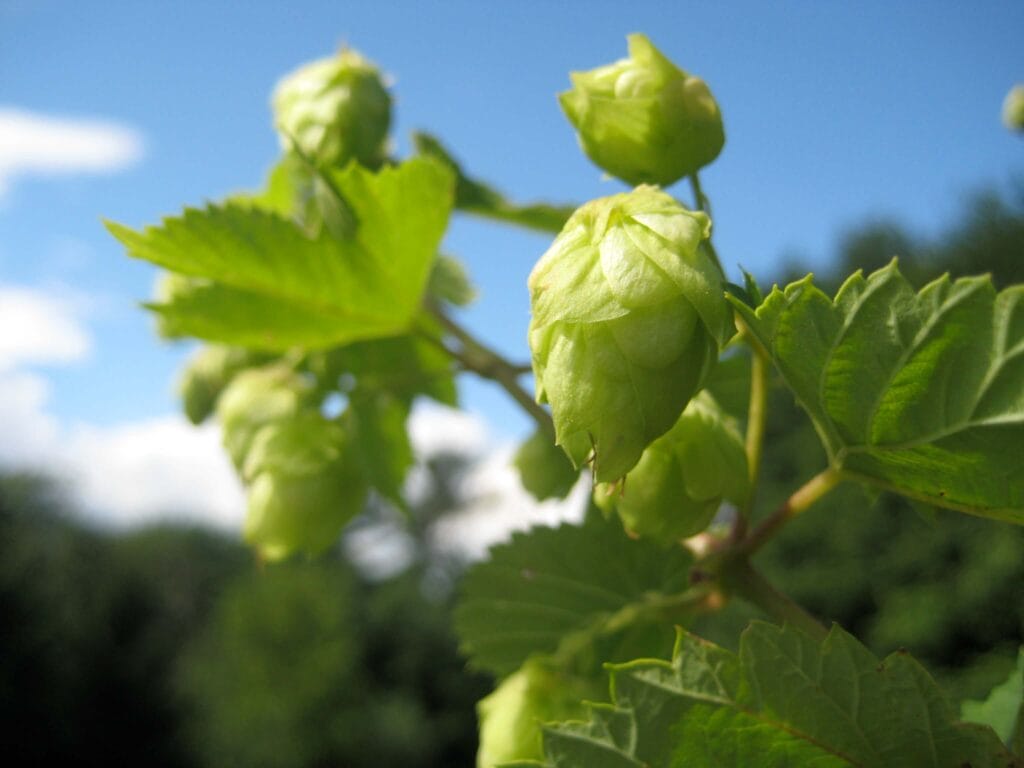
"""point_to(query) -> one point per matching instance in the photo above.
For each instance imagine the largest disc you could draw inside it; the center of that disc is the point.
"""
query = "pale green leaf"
(311, 291)
(555, 589)
(786, 700)
(1003, 709)
(921, 393)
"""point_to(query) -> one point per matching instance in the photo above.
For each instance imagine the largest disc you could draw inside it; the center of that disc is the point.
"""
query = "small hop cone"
(683, 476)
(303, 486)
(336, 110)
(511, 716)
(643, 119)
(628, 319)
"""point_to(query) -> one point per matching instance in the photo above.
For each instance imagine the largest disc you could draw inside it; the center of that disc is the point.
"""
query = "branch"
(485, 362)
(751, 586)
(803, 498)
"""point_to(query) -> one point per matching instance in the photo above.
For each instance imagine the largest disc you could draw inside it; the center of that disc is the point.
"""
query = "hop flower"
(683, 476)
(303, 487)
(643, 119)
(336, 109)
(628, 318)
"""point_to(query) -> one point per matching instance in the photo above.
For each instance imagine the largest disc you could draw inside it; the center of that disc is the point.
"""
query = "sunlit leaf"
(921, 393)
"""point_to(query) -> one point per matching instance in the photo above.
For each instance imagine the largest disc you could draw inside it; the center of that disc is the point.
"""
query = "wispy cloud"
(36, 144)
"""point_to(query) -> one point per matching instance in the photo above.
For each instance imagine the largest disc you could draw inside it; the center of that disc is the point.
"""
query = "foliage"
(914, 392)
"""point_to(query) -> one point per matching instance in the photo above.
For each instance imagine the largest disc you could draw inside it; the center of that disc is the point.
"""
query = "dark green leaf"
(785, 700)
(921, 393)
(556, 589)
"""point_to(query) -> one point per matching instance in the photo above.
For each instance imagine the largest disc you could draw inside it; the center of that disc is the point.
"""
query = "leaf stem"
(485, 362)
(751, 586)
(801, 499)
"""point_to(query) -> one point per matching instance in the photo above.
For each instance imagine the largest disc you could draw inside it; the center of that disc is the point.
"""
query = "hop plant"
(336, 110)
(643, 119)
(683, 476)
(628, 319)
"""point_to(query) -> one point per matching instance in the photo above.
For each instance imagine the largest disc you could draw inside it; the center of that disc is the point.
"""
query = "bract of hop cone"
(336, 110)
(683, 476)
(643, 119)
(628, 317)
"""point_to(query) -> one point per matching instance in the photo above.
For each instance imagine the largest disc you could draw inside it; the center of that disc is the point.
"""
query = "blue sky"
(834, 113)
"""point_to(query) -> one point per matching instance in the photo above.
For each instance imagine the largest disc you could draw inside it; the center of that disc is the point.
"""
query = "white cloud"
(164, 468)
(35, 144)
(39, 327)
(496, 504)
(154, 469)
(124, 473)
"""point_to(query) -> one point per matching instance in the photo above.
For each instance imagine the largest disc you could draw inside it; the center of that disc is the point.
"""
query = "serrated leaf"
(1003, 710)
(555, 588)
(921, 393)
(786, 700)
(481, 199)
(322, 290)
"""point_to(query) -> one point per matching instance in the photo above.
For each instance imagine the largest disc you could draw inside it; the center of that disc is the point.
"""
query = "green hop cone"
(206, 375)
(683, 476)
(643, 119)
(628, 319)
(303, 486)
(1013, 108)
(511, 717)
(255, 398)
(543, 468)
(336, 109)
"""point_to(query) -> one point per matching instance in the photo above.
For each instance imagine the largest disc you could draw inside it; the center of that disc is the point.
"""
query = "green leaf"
(285, 288)
(377, 428)
(1003, 709)
(404, 366)
(784, 700)
(481, 199)
(560, 589)
(920, 393)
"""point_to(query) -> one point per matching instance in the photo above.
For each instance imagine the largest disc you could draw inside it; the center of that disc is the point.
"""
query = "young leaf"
(1003, 709)
(555, 585)
(283, 288)
(921, 393)
(483, 200)
(784, 700)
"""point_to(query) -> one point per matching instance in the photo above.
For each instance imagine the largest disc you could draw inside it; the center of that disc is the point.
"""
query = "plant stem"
(757, 413)
(485, 362)
(751, 586)
(803, 498)
(703, 203)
